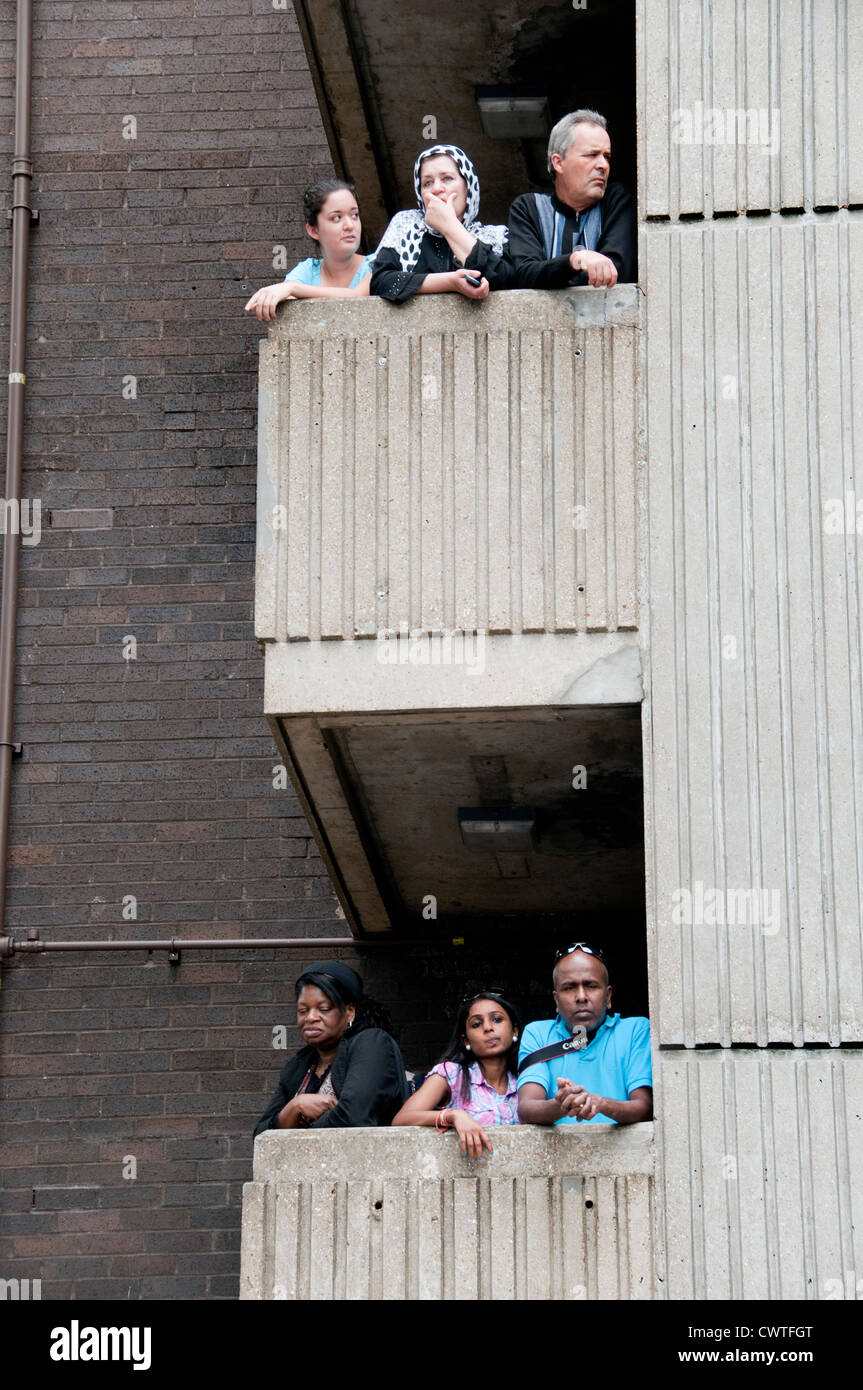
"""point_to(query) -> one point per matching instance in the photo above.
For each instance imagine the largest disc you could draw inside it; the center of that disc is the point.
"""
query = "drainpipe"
(22, 173)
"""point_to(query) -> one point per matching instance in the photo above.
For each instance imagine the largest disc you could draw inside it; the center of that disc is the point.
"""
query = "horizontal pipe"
(10, 947)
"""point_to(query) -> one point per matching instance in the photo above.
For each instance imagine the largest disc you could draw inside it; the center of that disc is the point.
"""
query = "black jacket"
(397, 285)
(368, 1078)
(618, 241)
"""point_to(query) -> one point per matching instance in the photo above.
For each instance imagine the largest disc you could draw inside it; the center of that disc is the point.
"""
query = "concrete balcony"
(565, 1213)
(447, 579)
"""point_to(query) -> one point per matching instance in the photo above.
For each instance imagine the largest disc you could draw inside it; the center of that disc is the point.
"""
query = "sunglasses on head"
(482, 994)
(579, 946)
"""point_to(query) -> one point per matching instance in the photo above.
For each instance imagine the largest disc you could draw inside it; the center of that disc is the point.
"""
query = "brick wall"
(148, 777)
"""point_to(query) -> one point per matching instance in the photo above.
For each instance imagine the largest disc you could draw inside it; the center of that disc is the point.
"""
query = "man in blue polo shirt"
(586, 1064)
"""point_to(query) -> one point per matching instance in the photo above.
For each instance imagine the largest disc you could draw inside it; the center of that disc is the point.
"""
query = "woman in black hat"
(350, 1072)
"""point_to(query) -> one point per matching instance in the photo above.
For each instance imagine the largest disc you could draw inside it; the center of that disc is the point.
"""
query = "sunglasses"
(579, 946)
(482, 994)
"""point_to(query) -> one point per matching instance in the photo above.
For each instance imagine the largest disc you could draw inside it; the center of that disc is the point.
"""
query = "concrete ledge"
(444, 673)
(513, 310)
(413, 1151)
(400, 1214)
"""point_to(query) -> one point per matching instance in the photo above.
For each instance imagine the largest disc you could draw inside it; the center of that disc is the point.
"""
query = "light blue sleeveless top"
(309, 272)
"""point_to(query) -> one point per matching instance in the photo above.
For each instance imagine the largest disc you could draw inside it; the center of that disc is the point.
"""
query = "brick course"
(149, 777)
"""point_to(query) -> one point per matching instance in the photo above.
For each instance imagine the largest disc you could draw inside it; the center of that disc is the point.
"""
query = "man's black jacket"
(368, 1077)
(617, 241)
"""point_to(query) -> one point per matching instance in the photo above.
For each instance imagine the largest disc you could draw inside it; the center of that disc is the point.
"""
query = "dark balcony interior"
(406, 779)
(385, 72)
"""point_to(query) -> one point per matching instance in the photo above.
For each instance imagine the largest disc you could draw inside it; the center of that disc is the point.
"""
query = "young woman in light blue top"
(340, 272)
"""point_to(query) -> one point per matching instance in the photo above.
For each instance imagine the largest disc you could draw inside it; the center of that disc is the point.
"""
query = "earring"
(467, 1047)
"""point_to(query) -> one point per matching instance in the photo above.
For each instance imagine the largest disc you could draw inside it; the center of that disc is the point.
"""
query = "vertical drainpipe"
(22, 173)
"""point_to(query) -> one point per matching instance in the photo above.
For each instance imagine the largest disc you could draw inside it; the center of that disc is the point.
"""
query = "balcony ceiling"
(409, 778)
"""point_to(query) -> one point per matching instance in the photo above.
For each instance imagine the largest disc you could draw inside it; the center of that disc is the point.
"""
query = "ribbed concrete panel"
(556, 1217)
(761, 1155)
(749, 105)
(755, 745)
(449, 467)
(572, 1239)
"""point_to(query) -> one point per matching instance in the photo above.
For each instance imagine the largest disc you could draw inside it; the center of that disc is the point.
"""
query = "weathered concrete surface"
(748, 106)
(446, 466)
(753, 346)
(398, 1213)
(761, 1167)
(753, 713)
(398, 672)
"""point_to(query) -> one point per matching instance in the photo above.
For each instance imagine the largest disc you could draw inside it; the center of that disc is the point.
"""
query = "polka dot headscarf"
(465, 168)
(405, 233)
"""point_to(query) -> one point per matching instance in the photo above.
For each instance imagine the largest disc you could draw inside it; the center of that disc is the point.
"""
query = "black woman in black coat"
(350, 1073)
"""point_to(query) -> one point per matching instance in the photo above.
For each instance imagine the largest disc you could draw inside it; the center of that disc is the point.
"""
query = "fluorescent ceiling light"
(498, 830)
(514, 118)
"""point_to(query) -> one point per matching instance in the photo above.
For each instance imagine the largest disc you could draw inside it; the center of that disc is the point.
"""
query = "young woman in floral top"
(476, 1077)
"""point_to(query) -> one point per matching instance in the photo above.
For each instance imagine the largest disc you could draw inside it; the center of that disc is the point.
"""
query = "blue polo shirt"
(612, 1065)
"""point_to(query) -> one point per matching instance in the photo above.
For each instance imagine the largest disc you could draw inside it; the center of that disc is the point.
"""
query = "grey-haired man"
(584, 233)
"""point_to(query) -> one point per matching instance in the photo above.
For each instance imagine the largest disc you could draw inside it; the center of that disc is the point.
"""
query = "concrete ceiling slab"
(407, 781)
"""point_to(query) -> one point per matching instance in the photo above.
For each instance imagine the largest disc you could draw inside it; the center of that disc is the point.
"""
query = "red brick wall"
(153, 776)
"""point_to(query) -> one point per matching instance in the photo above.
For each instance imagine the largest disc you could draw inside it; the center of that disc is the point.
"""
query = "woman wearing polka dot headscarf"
(442, 248)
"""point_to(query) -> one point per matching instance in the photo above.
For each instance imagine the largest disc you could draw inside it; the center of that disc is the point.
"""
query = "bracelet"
(438, 1125)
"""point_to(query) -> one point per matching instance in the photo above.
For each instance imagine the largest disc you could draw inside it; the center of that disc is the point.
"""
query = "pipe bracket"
(34, 213)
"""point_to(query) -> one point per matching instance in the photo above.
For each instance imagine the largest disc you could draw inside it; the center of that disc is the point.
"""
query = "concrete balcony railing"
(565, 1213)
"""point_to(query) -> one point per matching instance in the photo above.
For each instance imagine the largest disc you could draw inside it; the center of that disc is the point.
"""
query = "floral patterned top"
(483, 1104)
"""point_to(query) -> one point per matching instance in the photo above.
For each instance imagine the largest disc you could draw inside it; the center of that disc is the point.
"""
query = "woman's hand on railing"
(309, 1107)
(265, 301)
(461, 281)
(472, 1136)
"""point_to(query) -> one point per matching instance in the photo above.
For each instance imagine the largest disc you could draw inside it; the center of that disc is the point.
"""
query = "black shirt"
(435, 257)
(368, 1076)
(618, 241)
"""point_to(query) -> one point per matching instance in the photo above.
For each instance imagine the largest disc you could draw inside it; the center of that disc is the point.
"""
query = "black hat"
(346, 980)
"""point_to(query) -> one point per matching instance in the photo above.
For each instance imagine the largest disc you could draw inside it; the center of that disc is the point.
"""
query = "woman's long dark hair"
(456, 1052)
(317, 194)
(369, 1012)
